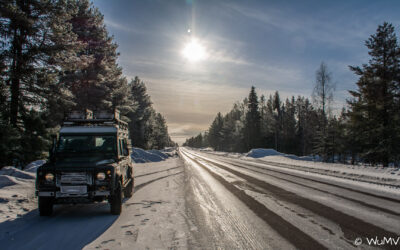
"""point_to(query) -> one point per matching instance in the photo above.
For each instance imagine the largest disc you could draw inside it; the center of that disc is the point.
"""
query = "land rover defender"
(89, 162)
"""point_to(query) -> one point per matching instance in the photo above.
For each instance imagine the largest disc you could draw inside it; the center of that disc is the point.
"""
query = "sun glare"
(194, 51)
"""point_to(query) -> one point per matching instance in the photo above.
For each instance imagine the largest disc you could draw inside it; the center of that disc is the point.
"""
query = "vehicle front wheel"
(116, 201)
(45, 206)
(128, 191)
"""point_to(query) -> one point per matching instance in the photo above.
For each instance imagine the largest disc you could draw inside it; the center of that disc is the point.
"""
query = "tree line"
(367, 129)
(56, 56)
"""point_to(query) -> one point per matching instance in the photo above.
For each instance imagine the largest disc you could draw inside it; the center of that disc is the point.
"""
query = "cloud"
(114, 25)
(316, 27)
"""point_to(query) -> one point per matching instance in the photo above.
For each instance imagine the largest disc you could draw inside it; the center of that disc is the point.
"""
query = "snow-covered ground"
(22, 228)
(17, 194)
(365, 173)
(154, 218)
(334, 211)
(141, 156)
(212, 200)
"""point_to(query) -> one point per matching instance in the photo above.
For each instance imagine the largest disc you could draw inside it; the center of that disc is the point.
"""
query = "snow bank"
(17, 189)
(32, 167)
(159, 153)
(142, 156)
(10, 176)
(169, 151)
(264, 152)
(206, 149)
(314, 165)
(15, 172)
(6, 181)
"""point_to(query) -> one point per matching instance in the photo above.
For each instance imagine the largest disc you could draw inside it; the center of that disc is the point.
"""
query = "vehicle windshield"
(105, 144)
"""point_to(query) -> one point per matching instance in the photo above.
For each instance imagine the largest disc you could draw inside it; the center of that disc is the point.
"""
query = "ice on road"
(203, 200)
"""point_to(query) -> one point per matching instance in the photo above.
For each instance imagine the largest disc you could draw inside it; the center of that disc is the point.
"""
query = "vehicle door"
(125, 161)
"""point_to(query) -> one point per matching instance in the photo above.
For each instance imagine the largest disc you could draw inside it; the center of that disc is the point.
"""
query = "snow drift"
(32, 167)
(10, 176)
(264, 152)
(142, 156)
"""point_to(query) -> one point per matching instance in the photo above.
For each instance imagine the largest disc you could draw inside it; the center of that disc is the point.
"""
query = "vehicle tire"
(116, 201)
(45, 206)
(128, 191)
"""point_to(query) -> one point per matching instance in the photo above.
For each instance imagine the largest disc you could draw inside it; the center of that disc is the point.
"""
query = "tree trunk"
(15, 77)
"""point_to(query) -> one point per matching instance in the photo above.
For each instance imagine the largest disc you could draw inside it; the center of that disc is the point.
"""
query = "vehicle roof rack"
(98, 118)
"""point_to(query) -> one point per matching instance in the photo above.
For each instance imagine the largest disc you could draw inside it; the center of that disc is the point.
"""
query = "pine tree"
(289, 127)
(64, 58)
(97, 83)
(158, 138)
(142, 113)
(267, 121)
(375, 105)
(34, 36)
(251, 130)
(26, 44)
(215, 133)
(277, 113)
(307, 122)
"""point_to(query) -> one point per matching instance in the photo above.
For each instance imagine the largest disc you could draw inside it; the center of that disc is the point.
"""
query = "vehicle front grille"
(74, 178)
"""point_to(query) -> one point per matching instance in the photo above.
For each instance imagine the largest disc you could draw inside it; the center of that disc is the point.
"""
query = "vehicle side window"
(125, 147)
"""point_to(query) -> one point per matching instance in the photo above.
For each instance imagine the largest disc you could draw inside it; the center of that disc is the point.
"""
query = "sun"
(194, 51)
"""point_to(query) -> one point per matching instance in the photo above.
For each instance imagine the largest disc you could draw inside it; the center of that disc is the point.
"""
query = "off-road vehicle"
(89, 162)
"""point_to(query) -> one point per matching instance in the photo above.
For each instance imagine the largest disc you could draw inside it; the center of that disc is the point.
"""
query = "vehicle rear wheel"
(45, 206)
(128, 191)
(116, 201)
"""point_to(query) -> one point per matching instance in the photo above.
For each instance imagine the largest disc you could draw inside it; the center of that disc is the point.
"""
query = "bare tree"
(323, 91)
(322, 97)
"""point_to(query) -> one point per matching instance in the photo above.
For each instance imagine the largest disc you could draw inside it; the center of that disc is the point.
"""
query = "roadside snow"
(142, 156)
(378, 175)
(15, 172)
(264, 152)
(154, 218)
(156, 210)
(31, 167)
(17, 186)
(365, 173)
(17, 189)
(16, 193)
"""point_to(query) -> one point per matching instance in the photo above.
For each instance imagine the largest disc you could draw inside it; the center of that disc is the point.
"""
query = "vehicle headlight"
(49, 177)
(100, 176)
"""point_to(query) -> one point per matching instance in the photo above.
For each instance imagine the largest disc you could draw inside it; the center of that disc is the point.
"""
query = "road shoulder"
(154, 217)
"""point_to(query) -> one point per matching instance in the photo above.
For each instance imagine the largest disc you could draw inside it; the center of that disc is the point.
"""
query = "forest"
(366, 130)
(57, 56)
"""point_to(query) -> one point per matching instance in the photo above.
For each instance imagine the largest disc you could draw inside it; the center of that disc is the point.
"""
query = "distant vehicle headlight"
(100, 176)
(49, 177)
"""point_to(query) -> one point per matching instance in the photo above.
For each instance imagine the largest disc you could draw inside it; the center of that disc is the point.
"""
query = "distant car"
(89, 162)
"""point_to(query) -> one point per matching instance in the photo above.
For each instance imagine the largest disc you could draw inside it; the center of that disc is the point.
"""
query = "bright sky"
(198, 57)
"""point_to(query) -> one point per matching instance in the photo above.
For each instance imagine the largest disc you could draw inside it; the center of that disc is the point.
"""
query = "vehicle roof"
(88, 130)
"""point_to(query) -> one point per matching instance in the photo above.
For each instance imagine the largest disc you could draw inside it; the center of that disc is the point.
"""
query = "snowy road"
(153, 218)
(207, 201)
(305, 210)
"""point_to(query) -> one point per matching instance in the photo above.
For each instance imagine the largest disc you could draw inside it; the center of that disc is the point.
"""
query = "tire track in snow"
(382, 209)
(351, 226)
(291, 233)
